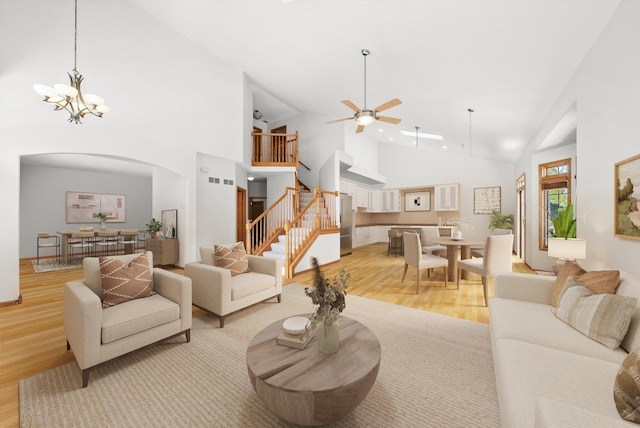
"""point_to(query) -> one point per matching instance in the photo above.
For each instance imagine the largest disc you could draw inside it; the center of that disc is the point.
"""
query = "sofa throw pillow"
(123, 282)
(568, 269)
(603, 317)
(233, 258)
(626, 388)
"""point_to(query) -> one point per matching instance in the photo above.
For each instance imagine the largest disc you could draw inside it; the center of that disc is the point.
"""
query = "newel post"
(287, 248)
(248, 237)
(316, 196)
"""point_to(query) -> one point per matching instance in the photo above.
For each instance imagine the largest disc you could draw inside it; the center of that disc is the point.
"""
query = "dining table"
(66, 234)
(457, 249)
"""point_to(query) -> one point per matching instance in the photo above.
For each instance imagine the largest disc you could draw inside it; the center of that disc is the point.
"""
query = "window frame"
(546, 183)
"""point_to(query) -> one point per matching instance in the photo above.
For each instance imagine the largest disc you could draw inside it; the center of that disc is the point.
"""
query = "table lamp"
(566, 249)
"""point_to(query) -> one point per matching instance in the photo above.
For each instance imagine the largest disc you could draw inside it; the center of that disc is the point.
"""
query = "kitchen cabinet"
(349, 188)
(375, 198)
(391, 201)
(447, 197)
(362, 198)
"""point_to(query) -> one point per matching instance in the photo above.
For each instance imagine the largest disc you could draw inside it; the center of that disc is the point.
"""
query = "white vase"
(329, 336)
(457, 234)
(103, 225)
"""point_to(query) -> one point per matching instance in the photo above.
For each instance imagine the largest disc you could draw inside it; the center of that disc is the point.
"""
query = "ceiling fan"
(365, 116)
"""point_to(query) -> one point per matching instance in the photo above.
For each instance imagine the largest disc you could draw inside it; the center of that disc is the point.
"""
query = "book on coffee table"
(295, 341)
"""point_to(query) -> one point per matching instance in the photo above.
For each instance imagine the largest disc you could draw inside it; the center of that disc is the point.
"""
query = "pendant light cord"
(470, 110)
(75, 39)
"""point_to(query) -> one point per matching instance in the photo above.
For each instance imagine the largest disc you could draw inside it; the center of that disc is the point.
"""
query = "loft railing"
(271, 149)
(319, 216)
(265, 229)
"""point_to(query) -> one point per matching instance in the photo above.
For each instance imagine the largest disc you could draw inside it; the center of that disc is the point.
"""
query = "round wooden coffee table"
(307, 387)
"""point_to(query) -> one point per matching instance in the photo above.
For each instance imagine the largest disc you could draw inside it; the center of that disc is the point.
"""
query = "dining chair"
(413, 257)
(82, 241)
(395, 242)
(433, 249)
(44, 240)
(445, 231)
(478, 250)
(498, 252)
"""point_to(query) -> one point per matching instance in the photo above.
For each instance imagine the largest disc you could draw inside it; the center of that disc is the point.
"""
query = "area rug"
(50, 265)
(435, 371)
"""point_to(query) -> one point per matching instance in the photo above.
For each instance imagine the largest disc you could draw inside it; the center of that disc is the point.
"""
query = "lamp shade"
(570, 248)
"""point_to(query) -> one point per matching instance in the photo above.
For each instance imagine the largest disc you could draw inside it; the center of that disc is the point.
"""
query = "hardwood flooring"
(32, 337)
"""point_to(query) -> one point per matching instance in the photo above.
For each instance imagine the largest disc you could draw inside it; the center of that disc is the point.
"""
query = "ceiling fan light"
(365, 117)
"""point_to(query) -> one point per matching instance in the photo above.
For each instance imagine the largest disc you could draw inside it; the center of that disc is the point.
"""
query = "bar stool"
(128, 240)
(82, 241)
(395, 242)
(44, 240)
(108, 241)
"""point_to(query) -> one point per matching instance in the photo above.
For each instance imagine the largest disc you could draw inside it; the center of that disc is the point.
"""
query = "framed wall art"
(486, 199)
(627, 193)
(83, 207)
(169, 220)
(417, 201)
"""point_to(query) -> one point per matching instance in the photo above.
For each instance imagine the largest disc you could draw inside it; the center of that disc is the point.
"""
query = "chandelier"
(70, 97)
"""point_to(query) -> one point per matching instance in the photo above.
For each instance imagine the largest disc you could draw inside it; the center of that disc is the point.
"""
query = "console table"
(165, 251)
(307, 387)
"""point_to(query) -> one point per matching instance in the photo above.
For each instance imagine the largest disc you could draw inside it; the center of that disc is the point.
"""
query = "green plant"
(101, 216)
(564, 226)
(501, 221)
(154, 226)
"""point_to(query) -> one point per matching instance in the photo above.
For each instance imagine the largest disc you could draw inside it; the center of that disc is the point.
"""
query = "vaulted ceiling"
(508, 60)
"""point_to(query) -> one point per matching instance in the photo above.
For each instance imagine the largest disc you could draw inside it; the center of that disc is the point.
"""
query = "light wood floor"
(32, 338)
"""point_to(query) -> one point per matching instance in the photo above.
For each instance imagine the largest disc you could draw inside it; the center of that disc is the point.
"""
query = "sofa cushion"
(603, 317)
(533, 322)
(207, 255)
(598, 282)
(630, 286)
(123, 282)
(232, 257)
(525, 372)
(568, 269)
(93, 277)
(626, 389)
(250, 283)
(137, 315)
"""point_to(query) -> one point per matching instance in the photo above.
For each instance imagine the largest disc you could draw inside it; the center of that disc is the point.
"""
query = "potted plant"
(153, 227)
(102, 217)
(563, 244)
(501, 221)
(564, 225)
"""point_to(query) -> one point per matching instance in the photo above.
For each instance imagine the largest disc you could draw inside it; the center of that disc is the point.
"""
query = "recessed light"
(422, 135)
(250, 178)
(390, 138)
(380, 130)
(444, 147)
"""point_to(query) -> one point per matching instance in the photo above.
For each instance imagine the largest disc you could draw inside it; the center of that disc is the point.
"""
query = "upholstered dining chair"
(498, 251)
(478, 250)
(433, 249)
(413, 257)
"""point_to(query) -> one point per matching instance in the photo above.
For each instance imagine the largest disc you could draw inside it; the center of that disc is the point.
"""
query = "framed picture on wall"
(486, 199)
(169, 220)
(417, 201)
(627, 193)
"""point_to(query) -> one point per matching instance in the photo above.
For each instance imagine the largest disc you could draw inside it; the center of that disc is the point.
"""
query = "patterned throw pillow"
(123, 282)
(626, 389)
(233, 258)
(598, 282)
(603, 317)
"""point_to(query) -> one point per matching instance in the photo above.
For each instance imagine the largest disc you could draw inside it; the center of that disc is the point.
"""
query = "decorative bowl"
(295, 325)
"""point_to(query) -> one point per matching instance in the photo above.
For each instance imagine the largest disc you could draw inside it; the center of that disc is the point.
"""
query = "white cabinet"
(349, 188)
(447, 197)
(362, 236)
(391, 201)
(362, 198)
(375, 198)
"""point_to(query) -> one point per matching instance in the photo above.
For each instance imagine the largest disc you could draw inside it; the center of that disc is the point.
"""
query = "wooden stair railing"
(319, 216)
(271, 149)
(265, 229)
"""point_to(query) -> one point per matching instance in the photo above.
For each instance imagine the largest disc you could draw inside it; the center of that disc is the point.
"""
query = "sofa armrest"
(266, 265)
(211, 285)
(82, 314)
(176, 288)
(556, 414)
(527, 287)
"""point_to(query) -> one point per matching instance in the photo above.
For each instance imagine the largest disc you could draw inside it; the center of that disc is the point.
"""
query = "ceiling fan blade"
(394, 102)
(339, 120)
(351, 105)
(388, 119)
(360, 128)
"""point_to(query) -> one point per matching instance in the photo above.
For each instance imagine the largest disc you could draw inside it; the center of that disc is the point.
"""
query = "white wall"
(171, 192)
(257, 189)
(606, 88)
(169, 99)
(362, 148)
(411, 167)
(276, 185)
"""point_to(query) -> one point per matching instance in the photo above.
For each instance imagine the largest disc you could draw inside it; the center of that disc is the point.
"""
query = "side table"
(165, 251)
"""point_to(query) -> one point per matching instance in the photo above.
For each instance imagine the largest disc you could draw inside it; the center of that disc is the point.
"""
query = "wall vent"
(214, 180)
(229, 182)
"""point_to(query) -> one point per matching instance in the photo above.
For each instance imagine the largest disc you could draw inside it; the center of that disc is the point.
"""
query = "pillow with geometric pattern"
(233, 258)
(626, 388)
(123, 282)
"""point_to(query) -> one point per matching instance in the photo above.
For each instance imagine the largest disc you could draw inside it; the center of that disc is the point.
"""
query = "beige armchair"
(216, 291)
(97, 335)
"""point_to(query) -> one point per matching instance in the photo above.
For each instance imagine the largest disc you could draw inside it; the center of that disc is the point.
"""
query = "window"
(555, 194)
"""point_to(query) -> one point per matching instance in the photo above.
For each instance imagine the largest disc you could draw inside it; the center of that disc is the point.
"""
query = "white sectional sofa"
(548, 374)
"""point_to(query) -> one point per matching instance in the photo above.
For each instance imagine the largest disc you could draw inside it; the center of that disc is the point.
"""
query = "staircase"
(287, 234)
